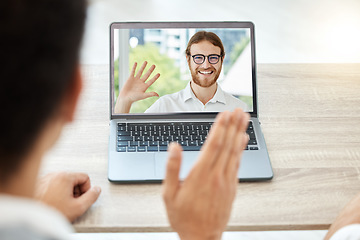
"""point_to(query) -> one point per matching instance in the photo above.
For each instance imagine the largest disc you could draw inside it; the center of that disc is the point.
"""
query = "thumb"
(88, 198)
(171, 181)
(151, 94)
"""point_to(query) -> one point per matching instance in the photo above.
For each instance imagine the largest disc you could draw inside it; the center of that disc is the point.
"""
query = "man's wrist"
(200, 236)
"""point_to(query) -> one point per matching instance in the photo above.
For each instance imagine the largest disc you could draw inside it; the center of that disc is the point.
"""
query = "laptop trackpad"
(132, 166)
(188, 161)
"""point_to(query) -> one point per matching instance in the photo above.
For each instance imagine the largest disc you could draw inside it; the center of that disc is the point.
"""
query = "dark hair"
(40, 41)
(205, 36)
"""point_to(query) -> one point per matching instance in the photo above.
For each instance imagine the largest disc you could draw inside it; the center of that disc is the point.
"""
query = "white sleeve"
(349, 232)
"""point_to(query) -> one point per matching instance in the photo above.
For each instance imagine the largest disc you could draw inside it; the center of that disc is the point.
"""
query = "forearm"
(122, 106)
(349, 215)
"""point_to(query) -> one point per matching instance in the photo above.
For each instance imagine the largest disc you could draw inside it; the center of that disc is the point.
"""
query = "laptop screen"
(159, 68)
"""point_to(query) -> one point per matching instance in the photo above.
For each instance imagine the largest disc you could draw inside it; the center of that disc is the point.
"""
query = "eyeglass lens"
(199, 58)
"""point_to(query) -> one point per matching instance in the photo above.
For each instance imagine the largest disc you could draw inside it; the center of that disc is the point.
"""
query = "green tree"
(236, 52)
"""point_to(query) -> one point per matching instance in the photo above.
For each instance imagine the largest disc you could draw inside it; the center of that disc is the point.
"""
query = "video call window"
(165, 48)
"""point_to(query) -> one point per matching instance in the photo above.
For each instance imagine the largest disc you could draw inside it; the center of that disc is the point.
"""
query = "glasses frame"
(208, 58)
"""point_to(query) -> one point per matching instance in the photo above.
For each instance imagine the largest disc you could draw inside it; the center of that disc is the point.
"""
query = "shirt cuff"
(349, 232)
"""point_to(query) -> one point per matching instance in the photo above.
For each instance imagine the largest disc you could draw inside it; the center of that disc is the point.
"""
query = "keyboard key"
(153, 143)
(148, 138)
(176, 138)
(162, 148)
(192, 143)
(157, 138)
(206, 127)
(121, 149)
(122, 128)
(193, 132)
(141, 149)
(131, 149)
(123, 143)
(123, 133)
(203, 132)
(196, 137)
(163, 143)
(197, 127)
(139, 138)
(252, 142)
(152, 149)
(125, 138)
(191, 148)
(184, 132)
(254, 148)
(135, 133)
(135, 143)
(167, 138)
(251, 134)
(144, 143)
(186, 138)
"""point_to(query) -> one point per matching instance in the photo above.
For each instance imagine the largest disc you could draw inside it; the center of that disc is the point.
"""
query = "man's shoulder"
(32, 218)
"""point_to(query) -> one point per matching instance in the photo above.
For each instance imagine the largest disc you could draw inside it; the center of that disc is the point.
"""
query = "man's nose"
(206, 63)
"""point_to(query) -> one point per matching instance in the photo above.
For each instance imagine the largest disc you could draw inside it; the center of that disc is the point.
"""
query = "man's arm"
(349, 215)
(70, 193)
(200, 206)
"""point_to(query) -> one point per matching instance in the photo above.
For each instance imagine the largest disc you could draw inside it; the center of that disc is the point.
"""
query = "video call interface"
(165, 48)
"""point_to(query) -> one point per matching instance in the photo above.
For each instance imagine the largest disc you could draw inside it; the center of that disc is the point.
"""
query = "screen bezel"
(177, 115)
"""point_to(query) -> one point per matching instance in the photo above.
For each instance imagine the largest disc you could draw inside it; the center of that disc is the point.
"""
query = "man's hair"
(205, 36)
(40, 41)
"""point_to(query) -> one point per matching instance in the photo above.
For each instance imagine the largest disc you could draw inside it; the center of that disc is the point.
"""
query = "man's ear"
(71, 97)
(188, 59)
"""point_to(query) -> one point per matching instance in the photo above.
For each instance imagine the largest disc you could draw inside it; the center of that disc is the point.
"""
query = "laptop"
(139, 137)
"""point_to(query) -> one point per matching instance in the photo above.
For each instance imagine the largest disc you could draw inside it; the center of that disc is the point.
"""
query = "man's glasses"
(200, 58)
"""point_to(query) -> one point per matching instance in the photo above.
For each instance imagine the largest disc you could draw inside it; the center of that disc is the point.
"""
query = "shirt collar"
(218, 97)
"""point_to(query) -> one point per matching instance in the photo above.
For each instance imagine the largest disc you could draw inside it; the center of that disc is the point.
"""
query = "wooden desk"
(310, 116)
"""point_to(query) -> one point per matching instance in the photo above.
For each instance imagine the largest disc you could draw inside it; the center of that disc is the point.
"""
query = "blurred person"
(40, 83)
(205, 55)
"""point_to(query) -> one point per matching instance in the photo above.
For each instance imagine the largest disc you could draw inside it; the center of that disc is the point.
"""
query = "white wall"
(292, 31)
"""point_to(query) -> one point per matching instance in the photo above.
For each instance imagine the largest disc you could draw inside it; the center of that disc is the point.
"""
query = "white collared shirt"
(349, 232)
(22, 218)
(186, 101)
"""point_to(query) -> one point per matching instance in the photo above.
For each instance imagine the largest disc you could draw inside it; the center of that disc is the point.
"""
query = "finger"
(148, 73)
(244, 123)
(235, 159)
(228, 145)
(76, 191)
(141, 70)
(150, 94)
(88, 198)
(214, 142)
(133, 69)
(81, 180)
(240, 143)
(171, 181)
(152, 80)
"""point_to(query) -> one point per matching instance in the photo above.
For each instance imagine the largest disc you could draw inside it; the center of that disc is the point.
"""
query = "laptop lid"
(163, 44)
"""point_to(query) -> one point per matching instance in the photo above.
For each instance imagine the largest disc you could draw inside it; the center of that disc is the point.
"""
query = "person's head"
(40, 41)
(205, 54)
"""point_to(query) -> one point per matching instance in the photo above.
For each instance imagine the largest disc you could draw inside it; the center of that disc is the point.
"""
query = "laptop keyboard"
(154, 137)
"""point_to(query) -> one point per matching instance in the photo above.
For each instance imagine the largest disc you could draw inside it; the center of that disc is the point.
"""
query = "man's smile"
(206, 72)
